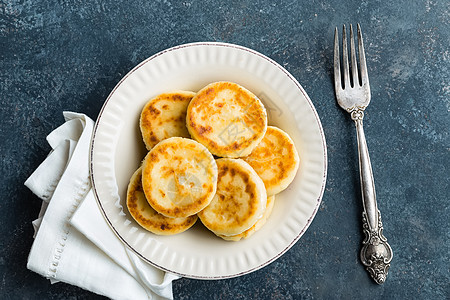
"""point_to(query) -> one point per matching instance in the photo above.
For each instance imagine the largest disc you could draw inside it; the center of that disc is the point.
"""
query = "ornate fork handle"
(376, 254)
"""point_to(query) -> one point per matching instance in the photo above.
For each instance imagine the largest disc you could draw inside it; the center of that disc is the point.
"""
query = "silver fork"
(353, 94)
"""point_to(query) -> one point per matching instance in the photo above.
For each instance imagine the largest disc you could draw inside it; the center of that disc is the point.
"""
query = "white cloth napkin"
(73, 243)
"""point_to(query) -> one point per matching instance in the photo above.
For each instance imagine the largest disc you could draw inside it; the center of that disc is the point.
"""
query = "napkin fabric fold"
(73, 243)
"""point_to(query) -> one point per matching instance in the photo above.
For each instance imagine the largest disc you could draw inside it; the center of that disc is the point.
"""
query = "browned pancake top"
(165, 116)
(238, 202)
(275, 159)
(179, 177)
(227, 119)
(147, 217)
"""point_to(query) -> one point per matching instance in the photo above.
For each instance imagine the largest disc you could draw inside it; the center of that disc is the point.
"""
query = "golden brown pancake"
(258, 225)
(240, 199)
(275, 159)
(147, 217)
(179, 177)
(165, 116)
(227, 118)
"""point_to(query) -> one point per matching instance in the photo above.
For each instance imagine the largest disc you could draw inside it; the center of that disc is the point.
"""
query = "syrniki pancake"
(165, 116)
(258, 225)
(275, 159)
(147, 217)
(227, 118)
(240, 199)
(179, 177)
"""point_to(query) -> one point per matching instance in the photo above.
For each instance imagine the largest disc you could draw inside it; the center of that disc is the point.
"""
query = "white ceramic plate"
(117, 151)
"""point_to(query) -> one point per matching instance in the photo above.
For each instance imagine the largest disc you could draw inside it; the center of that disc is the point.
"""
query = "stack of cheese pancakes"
(211, 156)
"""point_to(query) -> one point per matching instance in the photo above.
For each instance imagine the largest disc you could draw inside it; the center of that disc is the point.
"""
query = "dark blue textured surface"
(70, 54)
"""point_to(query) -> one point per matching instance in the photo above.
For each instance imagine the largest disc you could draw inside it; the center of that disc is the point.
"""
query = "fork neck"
(357, 115)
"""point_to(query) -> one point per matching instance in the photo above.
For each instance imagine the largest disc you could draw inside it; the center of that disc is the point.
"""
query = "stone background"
(69, 54)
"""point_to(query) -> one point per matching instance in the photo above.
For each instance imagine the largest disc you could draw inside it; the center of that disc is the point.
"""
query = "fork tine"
(345, 59)
(337, 63)
(362, 59)
(354, 65)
